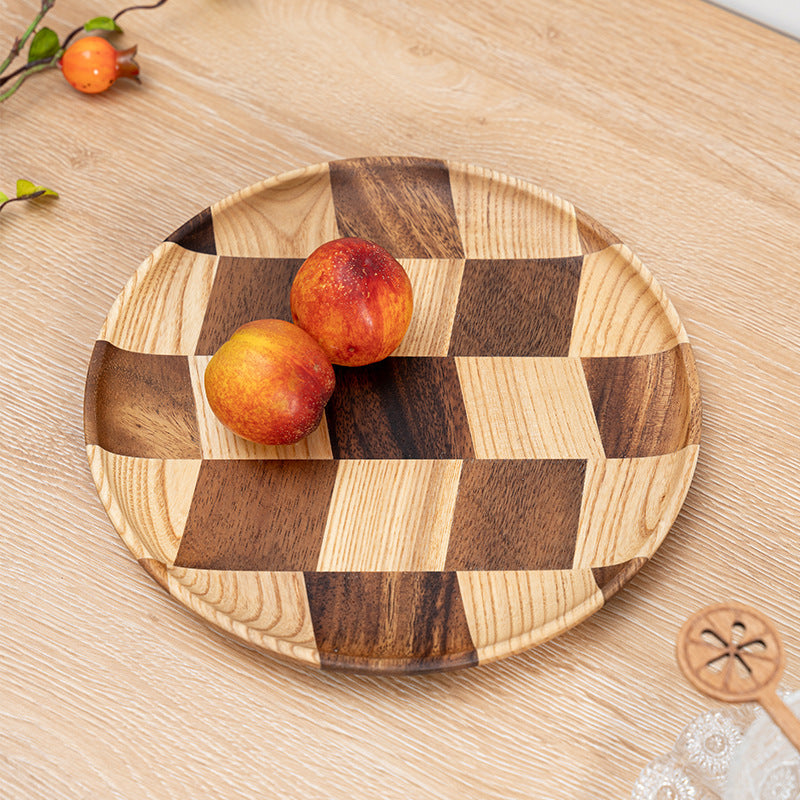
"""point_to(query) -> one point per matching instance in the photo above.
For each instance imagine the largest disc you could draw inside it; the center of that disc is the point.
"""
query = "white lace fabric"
(737, 753)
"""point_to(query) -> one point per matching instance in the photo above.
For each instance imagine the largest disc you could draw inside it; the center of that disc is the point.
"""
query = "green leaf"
(44, 45)
(3, 197)
(24, 188)
(45, 191)
(101, 24)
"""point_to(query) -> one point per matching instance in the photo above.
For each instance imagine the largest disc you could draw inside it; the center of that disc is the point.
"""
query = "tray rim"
(501, 649)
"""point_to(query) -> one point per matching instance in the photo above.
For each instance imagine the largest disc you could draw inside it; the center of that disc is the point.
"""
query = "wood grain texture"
(245, 289)
(516, 515)
(636, 498)
(146, 499)
(499, 221)
(645, 405)
(196, 234)
(268, 609)
(424, 629)
(157, 570)
(435, 284)
(528, 408)
(142, 318)
(733, 652)
(510, 610)
(688, 152)
(621, 310)
(257, 515)
(140, 405)
(612, 578)
(389, 516)
(285, 218)
(402, 204)
(388, 483)
(516, 308)
(399, 408)
(592, 234)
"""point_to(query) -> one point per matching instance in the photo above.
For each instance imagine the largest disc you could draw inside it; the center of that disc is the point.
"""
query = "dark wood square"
(516, 307)
(645, 405)
(399, 408)
(245, 289)
(402, 621)
(257, 515)
(196, 234)
(136, 404)
(516, 515)
(403, 204)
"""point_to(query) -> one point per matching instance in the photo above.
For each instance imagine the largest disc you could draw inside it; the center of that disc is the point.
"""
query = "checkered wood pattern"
(489, 485)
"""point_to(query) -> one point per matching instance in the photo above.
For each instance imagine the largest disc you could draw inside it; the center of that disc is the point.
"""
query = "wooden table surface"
(673, 122)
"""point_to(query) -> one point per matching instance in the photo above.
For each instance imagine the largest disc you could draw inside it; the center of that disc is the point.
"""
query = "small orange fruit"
(92, 64)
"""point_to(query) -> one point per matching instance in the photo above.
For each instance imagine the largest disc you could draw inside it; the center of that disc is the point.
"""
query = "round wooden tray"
(488, 486)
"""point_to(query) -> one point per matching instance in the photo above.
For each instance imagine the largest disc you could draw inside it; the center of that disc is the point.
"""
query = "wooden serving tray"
(488, 486)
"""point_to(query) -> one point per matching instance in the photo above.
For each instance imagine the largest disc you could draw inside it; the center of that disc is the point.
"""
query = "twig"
(19, 43)
(137, 8)
(24, 197)
(25, 75)
(72, 34)
(25, 67)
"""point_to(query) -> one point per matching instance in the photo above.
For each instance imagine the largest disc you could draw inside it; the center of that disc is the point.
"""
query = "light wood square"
(435, 283)
(284, 217)
(390, 515)
(268, 609)
(528, 408)
(621, 310)
(147, 499)
(161, 308)
(510, 611)
(503, 217)
(629, 504)
(219, 442)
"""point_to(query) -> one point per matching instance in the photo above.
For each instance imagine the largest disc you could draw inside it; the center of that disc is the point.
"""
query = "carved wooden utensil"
(733, 653)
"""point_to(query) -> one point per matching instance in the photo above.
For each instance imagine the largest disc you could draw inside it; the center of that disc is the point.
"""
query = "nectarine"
(269, 382)
(355, 299)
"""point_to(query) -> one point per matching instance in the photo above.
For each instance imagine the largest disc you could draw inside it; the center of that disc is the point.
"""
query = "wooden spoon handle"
(782, 717)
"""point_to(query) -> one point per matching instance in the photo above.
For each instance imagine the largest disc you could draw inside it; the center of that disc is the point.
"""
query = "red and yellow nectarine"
(269, 382)
(355, 299)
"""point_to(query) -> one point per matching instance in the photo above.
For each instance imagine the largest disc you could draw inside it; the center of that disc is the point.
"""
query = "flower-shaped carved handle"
(733, 653)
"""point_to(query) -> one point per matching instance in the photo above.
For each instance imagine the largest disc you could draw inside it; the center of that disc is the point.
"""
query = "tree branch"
(19, 43)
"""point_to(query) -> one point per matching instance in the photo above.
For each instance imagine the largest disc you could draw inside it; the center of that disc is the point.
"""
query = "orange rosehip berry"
(92, 64)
